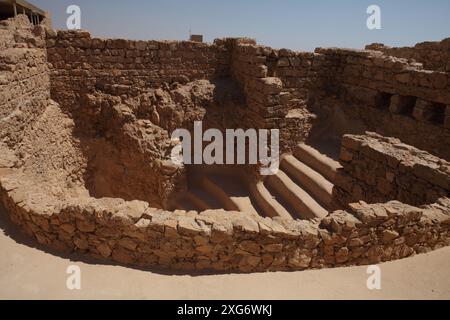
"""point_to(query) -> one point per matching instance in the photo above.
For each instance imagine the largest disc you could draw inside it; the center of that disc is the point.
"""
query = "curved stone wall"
(42, 176)
(132, 233)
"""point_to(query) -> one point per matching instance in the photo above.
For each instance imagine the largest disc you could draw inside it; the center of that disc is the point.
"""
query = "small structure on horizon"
(11, 8)
(196, 38)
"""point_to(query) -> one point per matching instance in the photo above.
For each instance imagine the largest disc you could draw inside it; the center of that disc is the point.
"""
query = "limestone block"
(271, 85)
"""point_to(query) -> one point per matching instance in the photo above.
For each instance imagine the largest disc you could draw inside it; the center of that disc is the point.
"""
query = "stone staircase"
(302, 189)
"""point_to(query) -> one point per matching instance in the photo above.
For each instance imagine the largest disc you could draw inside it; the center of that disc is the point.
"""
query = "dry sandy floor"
(27, 272)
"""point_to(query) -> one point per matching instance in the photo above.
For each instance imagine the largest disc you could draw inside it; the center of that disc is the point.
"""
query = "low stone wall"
(379, 169)
(132, 233)
(368, 234)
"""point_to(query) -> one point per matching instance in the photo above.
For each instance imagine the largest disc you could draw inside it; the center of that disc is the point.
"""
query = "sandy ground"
(27, 272)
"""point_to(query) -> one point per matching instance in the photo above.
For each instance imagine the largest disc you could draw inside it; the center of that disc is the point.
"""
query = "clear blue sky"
(294, 24)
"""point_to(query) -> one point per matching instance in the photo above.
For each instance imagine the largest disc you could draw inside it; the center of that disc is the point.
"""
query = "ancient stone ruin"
(85, 165)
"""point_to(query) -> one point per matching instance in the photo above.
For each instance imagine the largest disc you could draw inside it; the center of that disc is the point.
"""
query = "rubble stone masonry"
(81, 64)
(132, 233)
(82, 118)
(385, 94)
(24, 77)
(379, 169)
(275, 83)
(433, 55)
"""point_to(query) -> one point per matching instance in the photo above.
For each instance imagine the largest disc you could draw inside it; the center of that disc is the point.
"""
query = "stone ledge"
(378, 169)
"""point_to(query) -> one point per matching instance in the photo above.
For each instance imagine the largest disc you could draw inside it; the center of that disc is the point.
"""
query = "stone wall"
(24, 77)
(379, 169)
(82, 64)
(275, 83)
(433, 55)
(83, 67)
(385, 94)
(131, 233)
(106, 87)
(128, 156)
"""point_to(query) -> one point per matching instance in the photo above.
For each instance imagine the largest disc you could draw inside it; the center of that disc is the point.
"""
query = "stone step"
(218, 193)
(311, 181)
(183, 204)
(266, 202)
(197, 201)
(322, 164)
(237, 192)
(299, 200)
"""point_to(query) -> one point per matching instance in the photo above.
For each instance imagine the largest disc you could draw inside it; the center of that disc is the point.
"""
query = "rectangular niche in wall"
(383, 100)
(429, 111)
(438, 116)
(403, 105)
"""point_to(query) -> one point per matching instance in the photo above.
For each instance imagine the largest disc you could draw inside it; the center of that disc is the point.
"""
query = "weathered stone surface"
(385, 169)
(76, 193)
(122, 255)
(104, 250)
(250, 246)
(389, 235)
(299, 259)
(85, 226)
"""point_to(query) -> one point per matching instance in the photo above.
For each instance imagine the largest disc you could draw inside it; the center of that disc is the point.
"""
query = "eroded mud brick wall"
(24, 78)
(433, 55)
(377, 169)
(388, 95)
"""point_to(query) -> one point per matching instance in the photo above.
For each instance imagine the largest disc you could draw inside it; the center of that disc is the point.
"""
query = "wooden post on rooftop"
(15, 9)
